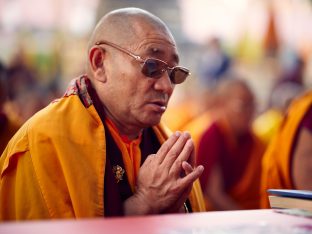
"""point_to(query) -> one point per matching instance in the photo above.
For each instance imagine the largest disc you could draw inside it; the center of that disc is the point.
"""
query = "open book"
(290, 199)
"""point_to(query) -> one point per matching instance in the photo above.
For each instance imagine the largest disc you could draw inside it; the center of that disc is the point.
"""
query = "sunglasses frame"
(143, 61)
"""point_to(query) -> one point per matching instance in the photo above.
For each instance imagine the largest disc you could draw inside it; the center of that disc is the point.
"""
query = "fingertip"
(187, 134)
(187, 166)
(190, 141)
(201, 168)
(177, 133)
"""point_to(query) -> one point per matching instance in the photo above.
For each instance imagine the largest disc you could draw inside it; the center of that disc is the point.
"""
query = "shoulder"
(64, 112)
(301, 104)
(298, 109)
(61, 119)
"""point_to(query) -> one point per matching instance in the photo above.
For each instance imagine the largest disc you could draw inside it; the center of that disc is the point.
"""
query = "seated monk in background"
(287, 163)
(230, 152)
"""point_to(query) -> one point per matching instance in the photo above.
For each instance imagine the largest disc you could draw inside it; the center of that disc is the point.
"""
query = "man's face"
(134, 99)
(240, 109)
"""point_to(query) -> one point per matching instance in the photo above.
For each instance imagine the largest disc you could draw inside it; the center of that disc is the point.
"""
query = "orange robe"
(276, 164)
(54, 166)
(177, 116)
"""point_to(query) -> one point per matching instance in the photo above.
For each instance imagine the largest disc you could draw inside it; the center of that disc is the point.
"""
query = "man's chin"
(151, 121)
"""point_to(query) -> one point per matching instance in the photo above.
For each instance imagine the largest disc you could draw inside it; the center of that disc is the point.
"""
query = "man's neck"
(131, 133)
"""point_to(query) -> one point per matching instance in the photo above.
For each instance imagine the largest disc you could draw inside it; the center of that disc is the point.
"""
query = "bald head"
(124, 26)
(118, 69)
(236, 100)
(229, 87)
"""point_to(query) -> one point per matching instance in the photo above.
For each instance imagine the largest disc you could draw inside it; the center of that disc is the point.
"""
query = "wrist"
(137, 205)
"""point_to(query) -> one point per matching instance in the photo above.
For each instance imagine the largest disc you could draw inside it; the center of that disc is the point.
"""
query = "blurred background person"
(7, 126)
(26, 95)
(288, 84)
(214, 63)
(268, 122)
(292, 67)
(287, 163)
(230, 152)
(213, 66)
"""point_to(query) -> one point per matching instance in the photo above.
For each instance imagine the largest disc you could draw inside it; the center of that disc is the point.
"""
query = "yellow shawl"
(54, 166)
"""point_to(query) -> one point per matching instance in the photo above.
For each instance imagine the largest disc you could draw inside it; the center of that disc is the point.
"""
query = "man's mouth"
(160, 106)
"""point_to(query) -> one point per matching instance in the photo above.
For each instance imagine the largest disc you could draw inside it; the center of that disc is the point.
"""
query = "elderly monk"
(287, 163)
(100, 150)
(230, 152)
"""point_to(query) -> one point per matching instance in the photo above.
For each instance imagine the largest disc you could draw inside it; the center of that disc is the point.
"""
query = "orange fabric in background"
(176, 117)
(197, 126)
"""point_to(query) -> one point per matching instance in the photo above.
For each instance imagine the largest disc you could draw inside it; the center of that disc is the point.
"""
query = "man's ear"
(96, 58)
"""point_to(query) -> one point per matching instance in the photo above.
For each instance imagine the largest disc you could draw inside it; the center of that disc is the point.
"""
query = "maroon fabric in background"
(3, 121)
(307, 120)
(213, 148)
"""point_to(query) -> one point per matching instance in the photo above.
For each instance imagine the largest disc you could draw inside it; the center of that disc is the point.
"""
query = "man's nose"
(164, 84)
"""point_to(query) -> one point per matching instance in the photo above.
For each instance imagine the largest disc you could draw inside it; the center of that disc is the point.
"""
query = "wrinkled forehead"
(156, 41)
(158, 48)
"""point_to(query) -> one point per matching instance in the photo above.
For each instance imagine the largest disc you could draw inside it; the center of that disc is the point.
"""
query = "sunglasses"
(152, 67)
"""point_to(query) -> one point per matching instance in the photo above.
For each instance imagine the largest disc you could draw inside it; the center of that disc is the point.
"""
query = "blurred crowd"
(22, 94)
(236, 139)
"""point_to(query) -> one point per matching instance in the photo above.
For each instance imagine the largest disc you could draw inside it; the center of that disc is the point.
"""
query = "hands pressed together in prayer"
(165, 179)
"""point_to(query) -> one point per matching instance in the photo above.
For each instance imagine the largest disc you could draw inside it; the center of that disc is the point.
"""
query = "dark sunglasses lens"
(153, 68)
(178, 75)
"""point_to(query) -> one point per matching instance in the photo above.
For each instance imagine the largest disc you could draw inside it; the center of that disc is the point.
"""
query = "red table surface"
(251, 221)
